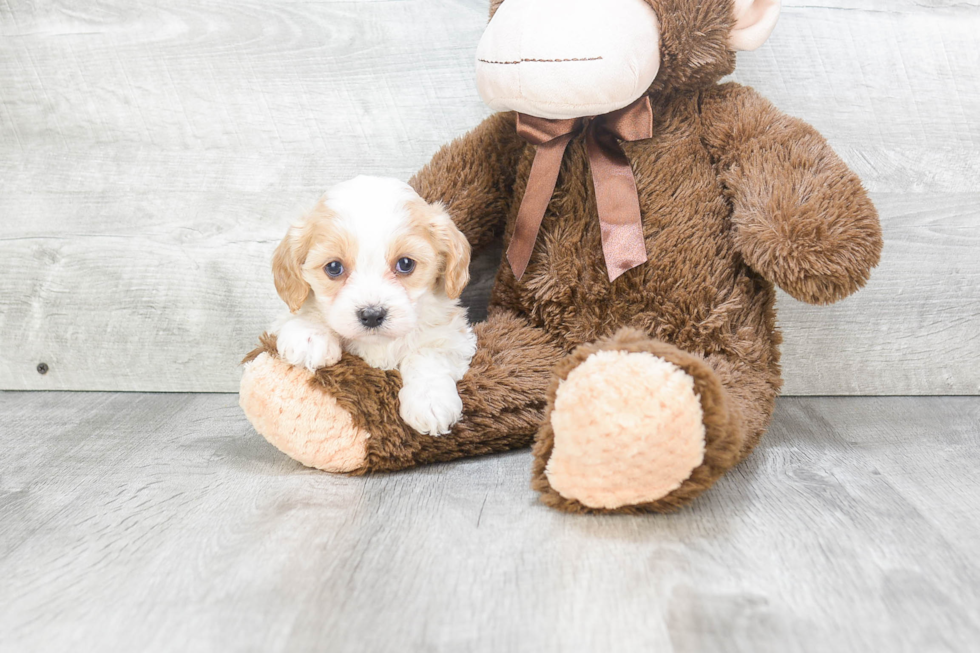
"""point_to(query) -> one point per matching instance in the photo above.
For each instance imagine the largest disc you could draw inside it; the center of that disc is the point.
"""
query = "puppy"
(376, 271)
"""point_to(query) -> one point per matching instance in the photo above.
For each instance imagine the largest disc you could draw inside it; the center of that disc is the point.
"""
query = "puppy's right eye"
(334, 269)
(405, 265)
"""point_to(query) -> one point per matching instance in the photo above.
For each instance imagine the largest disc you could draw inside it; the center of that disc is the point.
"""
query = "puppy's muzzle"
(372, 317)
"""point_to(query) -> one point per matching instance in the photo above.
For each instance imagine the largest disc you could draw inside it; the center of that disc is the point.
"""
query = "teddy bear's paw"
(628, 429)
(301, 420)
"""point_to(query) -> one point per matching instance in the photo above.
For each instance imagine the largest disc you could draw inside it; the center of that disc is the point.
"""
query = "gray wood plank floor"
(163, 523)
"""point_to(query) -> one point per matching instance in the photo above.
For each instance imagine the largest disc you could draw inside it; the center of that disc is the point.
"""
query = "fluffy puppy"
(376, 271)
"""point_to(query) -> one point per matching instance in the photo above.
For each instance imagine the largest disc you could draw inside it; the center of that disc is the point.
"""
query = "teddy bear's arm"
(802, 218)
(474, 177)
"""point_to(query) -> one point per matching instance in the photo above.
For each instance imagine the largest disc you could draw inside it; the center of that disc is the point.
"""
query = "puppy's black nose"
(372, 316)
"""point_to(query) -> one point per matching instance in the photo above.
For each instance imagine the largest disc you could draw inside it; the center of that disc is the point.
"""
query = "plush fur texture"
(727, 437)
(609, 454)
(298, 419)
(503, 393)
(735, 197)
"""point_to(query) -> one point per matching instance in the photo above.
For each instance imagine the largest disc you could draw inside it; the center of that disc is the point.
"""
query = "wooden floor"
(163, 522)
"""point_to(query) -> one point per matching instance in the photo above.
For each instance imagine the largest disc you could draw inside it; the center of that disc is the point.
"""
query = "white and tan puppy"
(376, 271)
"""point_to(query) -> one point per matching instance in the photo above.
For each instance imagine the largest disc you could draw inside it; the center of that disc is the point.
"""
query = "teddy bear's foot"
(633, 425)
(628, 429)
(298, 418)
(346, 417)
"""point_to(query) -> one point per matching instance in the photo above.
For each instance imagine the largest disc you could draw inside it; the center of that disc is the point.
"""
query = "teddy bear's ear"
(754, 22)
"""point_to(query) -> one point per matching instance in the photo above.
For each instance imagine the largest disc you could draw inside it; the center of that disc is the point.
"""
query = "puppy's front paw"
(304, 345)
(431, 407)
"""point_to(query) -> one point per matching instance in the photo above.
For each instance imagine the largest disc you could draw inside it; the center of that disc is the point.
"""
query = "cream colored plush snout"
(573, 58)
(568, 58)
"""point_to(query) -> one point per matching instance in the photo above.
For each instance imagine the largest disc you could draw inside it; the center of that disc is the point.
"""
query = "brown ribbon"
(615, 188)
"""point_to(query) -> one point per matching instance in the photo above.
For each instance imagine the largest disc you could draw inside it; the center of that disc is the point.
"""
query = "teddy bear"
(648, 212)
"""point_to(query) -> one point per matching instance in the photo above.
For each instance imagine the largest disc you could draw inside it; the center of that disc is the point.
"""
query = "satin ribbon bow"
(615, 188)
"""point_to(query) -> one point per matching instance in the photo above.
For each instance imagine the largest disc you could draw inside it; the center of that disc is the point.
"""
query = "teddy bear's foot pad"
(299, 419)
(628, 429)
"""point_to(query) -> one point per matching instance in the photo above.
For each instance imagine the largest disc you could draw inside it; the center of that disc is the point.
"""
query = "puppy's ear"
(287, 266)
(455, 249)
(450, 241)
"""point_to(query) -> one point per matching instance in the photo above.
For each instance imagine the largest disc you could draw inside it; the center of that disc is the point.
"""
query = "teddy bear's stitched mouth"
(508, 63)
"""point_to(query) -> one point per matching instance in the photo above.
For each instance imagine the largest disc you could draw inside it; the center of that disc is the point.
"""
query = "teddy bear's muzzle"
(568, 58)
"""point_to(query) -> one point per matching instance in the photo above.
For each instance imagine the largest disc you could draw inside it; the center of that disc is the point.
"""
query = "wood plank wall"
(152, 153)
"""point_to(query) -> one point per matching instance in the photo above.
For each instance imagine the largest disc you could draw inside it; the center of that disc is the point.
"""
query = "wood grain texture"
(163, 523)
(152, 153)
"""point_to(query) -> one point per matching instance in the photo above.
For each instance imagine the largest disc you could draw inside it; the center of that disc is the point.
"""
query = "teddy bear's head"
(573, 58)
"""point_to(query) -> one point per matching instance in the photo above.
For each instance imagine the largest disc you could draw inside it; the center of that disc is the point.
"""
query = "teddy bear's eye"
(334, 269)
(405, 265)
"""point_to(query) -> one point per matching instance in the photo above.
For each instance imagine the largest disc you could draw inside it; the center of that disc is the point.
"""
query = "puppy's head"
(369, 256)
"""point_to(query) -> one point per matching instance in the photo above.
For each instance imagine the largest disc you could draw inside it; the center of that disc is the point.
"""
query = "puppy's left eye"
(405, 265)
(334, 269)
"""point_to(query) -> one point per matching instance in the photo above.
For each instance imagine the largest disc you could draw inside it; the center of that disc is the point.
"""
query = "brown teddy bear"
(648, 212)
